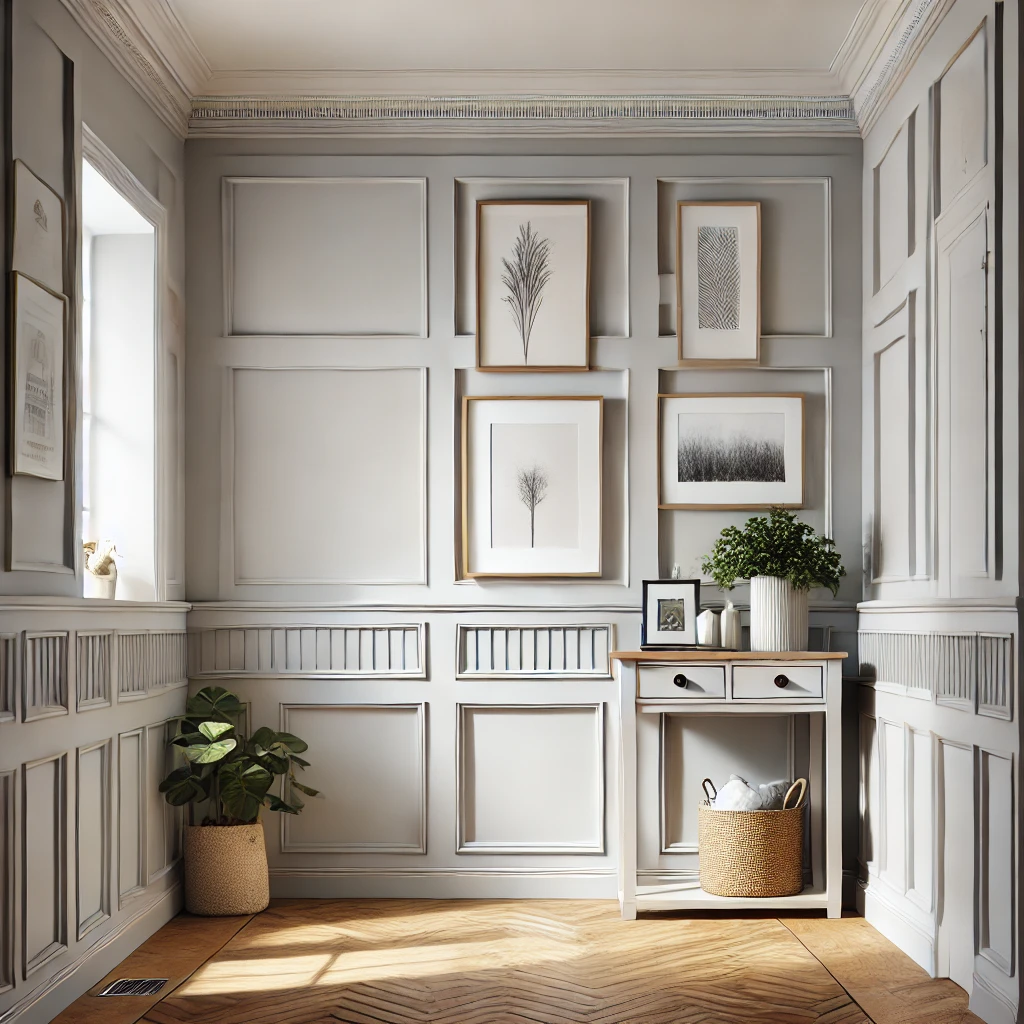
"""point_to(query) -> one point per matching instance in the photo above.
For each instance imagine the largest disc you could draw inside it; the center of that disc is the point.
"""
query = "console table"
(735, 683)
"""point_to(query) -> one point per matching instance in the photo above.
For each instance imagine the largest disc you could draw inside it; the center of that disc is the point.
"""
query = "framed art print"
(718, 282)
(531, 486)
(533, 285)
(37, 409)
(731, 451)
(38, 248)
(670, 610)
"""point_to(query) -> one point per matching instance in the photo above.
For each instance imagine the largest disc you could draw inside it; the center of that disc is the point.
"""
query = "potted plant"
(225, 856)
(782, 558)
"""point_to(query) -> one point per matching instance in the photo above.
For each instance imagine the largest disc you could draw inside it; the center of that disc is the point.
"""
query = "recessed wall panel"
(44, 862)
(996, 860)
(894, 205)
(962, 103)
(893, 792)
(328, 470)
(6, 880)
(93, 845)
(796, 246)
(370, 762)
(130, 812)
(531, 779)
(325, 256)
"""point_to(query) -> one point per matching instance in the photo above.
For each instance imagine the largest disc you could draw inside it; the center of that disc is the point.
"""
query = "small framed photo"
(531, 486)
(533, 285)
(670, 613)
(38, 247)
(718, 283)
(39, 352)
(731, 451)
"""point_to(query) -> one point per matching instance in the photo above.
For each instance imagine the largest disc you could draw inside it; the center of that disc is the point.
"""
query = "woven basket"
(752, 853)
(225, 870)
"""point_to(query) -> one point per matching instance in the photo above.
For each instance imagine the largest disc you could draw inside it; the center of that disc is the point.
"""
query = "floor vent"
(134, 987)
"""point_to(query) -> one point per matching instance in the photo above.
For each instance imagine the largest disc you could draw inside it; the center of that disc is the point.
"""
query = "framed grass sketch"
(533, 285)
(670, 610)
(38, 247)
(731, 451)
(718, 282)
(39, 353)
(531, 486)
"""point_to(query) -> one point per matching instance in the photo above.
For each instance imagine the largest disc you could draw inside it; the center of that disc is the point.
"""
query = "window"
(119, 415)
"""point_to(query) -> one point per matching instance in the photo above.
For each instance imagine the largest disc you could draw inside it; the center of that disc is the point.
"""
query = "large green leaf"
(216, 703)
(275, 803)
(209, 753)
(214, 730)
(183, 786)
(243, 789)
(293, 743)
(308, 790)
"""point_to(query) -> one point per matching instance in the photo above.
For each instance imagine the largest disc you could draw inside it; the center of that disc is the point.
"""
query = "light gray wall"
(88, 852)
(446, 740)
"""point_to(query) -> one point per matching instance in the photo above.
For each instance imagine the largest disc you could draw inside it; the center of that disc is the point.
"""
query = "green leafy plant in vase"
(782, 558)
(231, 774)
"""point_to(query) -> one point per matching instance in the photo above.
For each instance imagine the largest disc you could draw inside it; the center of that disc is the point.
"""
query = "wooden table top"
(714, 654)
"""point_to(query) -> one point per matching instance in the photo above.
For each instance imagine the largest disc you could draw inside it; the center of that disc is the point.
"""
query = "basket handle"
(802, 784)
(714, 792)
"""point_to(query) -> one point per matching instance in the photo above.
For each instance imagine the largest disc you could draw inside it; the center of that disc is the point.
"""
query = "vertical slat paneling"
(46, 675)
(537, 651)
(94, 666)
(8, 676)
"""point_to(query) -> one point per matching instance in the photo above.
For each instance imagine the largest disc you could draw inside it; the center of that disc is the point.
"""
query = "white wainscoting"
(534, 651)
(938, 753)
(88, 846)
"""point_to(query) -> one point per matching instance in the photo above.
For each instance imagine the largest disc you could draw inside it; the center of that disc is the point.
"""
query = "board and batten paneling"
(370, 761)
(353, 443)
(325, 256)
(531, 778)
(609, 243)
(93, 845)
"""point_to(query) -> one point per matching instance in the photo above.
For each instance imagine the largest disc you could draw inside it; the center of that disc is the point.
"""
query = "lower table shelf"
(692, 897)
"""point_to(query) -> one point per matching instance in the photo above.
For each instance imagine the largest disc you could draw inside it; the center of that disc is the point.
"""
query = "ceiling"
(679, 36)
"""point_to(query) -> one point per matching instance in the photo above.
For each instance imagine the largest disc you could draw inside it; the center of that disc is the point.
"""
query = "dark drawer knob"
(681, 681)
(781, 681)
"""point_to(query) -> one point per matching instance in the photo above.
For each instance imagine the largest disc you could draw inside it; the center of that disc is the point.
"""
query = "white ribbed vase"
(778, 615)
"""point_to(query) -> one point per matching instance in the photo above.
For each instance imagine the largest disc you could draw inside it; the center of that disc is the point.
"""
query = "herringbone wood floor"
(528, 962)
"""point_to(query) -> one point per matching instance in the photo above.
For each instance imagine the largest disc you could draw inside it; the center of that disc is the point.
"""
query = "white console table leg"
(834, 789)
(627, 791)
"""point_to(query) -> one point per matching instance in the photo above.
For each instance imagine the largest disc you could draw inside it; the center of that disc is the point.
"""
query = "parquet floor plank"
(890, 987)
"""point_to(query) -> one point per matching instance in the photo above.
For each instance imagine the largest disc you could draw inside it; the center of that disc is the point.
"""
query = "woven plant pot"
(752, 853)
(778, 615)
(225, 870)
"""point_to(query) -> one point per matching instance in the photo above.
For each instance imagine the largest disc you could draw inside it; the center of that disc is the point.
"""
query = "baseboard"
(444, 883)
(991, 1006)
(897, 927)
(75, 979)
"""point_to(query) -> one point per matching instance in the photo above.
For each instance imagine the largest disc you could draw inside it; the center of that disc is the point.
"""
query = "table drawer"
(787, 682)
(695, 681)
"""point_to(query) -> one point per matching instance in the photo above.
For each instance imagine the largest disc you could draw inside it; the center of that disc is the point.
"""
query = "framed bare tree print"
(531, 486)
(718, 283)
(533, 285)
(731, 451)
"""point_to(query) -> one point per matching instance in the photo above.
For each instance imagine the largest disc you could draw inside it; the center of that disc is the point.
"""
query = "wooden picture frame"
(39, 229)
(39, 375)
(510, 254)
(753, 442)
(500, 539)
(713, 242)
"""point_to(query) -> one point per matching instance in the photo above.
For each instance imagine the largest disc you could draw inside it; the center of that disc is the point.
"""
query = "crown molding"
(522, 114)
(144, 40)
(907, 35)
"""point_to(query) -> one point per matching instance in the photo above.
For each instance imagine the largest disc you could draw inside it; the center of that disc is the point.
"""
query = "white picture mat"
(482, 415)
(705, 343)
(560, 332)
(39, 346)
(732, 494)
(38, 250)
(675, 590)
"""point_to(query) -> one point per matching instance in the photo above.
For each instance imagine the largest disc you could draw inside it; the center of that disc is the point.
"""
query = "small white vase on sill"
(778, 615)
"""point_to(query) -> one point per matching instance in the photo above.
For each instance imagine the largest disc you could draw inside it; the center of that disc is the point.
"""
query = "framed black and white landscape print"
(718, 282)
(532, 285)
(531, 486)
(37, 414)
(38, 245)
(731, 451)
(670, 610)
